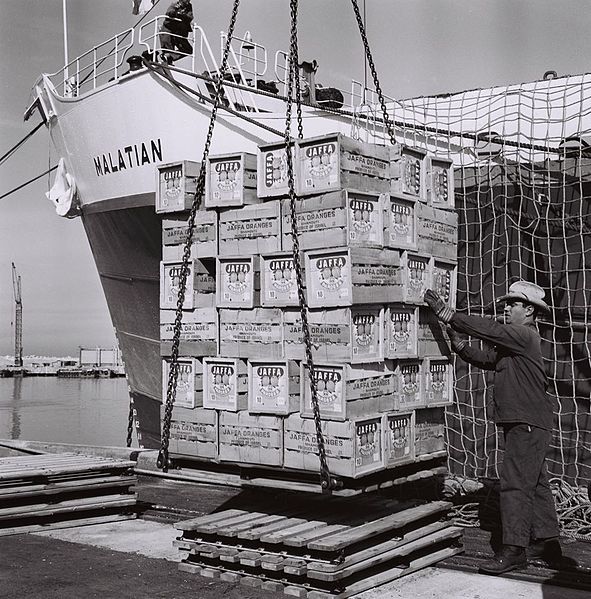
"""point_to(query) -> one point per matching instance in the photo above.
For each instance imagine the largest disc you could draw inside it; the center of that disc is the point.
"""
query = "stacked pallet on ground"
(41, 492)
(318, 549)
(376, 228)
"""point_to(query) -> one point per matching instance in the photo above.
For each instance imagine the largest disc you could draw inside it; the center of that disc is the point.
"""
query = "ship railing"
(95, 67)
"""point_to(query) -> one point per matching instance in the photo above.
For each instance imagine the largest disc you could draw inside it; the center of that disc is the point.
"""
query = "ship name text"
(130, 156)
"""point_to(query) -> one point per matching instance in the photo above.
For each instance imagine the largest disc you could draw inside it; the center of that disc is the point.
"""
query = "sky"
(419, 47)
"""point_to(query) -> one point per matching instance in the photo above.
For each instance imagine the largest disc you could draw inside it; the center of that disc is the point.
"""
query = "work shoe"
(509, 558)
(546, 550)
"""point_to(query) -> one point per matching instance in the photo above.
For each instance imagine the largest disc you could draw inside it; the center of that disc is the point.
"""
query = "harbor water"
(65, 410)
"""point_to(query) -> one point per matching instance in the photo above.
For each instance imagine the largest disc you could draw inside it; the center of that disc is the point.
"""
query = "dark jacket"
(179, 10)
(520, 381)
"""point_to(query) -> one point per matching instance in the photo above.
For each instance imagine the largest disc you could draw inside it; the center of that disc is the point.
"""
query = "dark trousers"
(527, 505)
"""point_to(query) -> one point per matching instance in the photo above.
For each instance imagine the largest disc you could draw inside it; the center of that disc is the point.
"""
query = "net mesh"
(522, 156)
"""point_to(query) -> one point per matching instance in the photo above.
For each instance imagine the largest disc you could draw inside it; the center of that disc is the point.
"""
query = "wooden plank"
(43, 510)
(306, 537)
(58, 470)
(189, 525)
(188, 567)
(228, 526)
(17, 530)
(252, 559)
(341, 539)
(54, 488)
(388, 575)
(361, 556)
(397, 552)
(234, 530)
(257, 533)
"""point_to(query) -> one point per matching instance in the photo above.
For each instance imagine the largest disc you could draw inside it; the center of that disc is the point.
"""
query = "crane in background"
(18, 318)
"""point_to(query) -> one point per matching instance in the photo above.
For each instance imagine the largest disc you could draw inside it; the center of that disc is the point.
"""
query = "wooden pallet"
(333, 548)
(44, 491)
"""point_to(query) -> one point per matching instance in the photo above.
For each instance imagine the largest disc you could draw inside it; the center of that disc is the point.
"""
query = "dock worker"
(524, 412)
(175, 30)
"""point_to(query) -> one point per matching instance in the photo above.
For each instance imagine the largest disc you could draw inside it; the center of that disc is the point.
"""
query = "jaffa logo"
(443, 283)
(283, 274)
(330, 270)
(275, 168)
(416, 273)
(361, 212)
(410, 378)
(327, 382)
(319, 159)
(184, 377)
(222, 376)
(269, 378)
(438, 374)
(171, 182)
(401, 218)
(400, 325)
(227, 174)
(367, 437)
(174, 278)
(237, 276)
(364, 329)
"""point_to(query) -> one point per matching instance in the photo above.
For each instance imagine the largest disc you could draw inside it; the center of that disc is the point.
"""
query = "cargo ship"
(117, 111)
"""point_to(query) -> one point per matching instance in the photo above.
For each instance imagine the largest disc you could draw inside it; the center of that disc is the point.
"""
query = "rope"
(28, 182)
(20, 143)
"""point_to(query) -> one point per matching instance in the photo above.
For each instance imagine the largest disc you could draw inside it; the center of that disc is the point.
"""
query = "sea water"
(65, 410)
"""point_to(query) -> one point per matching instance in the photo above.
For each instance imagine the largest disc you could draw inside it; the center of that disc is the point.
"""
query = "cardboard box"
(225, 384)
(273, 387)
(278, 279)
(440, 183)
(348, 391)
(410, 377)
(272, 180)
(205, 236)
(437, 232)
(401, 331)
(250, 230)
(408, 168)
(334, 161)
(193, 433)
(429, 431)
(445, 280)
(248, 439)
(353, 448)
(176, 183)
(400, 222)
(348, 276)
(231, 180)
(433, 341)
(399, 442)
(238, 284)
(200, 284)
(349, 334)
(438, 382)
(198, 332)
(335, 219)
(189, 386)
(255, 333)
(416, 276)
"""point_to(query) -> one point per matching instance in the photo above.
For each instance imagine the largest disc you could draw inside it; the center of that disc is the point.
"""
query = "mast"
(18, 318)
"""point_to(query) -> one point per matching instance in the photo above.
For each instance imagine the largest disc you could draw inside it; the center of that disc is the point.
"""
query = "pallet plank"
(341, 539)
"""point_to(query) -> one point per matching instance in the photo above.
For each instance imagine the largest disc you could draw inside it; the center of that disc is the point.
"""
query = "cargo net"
(522, 157)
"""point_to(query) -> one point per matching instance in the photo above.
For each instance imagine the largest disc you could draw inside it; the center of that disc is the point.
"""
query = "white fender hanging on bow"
(63, 193)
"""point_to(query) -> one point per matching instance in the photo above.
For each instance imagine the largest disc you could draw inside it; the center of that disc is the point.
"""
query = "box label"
(442, 282)
(402, 331)
(398, 437)
(280, 280)
(368, 443)
(409, 384)
(331, 277)
(269, 385)
(221, 391)
(438, 382)
(237, 282)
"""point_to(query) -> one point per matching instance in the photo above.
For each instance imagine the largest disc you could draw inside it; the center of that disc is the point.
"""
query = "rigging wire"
(14, 148)
(28, 182)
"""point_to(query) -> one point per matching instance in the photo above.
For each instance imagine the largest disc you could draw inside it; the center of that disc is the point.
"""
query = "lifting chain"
(130, 419)
(325, 480)
(374, 74)
(163, 459)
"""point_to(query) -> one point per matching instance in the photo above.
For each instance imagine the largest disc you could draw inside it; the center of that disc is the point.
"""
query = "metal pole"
(65, 23)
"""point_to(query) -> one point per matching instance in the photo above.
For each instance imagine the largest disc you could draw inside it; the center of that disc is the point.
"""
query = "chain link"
(325, 480)
(130, 419)
(374, 73)
(163, 458)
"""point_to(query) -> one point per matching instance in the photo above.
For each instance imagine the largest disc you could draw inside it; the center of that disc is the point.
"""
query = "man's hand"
(457, 341)
(441, 309)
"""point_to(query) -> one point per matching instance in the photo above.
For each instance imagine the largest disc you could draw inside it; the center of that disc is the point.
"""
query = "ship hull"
(125, 243)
